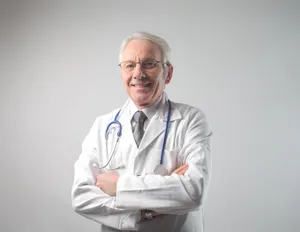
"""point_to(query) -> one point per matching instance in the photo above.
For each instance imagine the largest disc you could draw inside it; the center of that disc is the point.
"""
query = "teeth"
(141, 85)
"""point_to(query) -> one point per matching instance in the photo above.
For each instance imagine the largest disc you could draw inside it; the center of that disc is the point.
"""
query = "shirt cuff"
(130, 222)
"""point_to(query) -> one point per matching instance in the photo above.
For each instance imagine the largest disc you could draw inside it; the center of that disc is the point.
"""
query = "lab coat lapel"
(154, 129)
(126, 126)
(157, 124)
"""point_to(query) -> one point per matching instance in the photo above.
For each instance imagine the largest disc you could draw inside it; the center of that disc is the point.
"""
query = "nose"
(138, 72)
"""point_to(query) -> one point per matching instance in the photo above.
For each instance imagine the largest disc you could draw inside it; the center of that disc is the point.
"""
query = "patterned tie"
(138, 132)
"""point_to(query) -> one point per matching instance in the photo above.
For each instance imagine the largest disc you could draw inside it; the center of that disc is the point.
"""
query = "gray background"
(236, 60)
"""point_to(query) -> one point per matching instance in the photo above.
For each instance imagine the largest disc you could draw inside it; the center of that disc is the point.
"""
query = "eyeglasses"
(148, 64)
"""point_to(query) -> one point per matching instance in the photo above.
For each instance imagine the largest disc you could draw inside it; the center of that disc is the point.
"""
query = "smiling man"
(146, 165)
(144, 72)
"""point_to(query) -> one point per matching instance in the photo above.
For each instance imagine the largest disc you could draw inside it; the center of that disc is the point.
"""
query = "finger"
(176, 171)
(180, 169)
(99, 184)
(182, 172)
(98, 178)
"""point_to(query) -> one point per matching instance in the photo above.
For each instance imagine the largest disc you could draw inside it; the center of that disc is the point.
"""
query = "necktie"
(138, 132)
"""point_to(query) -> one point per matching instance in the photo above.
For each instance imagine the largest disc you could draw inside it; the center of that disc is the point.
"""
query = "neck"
(144, 106)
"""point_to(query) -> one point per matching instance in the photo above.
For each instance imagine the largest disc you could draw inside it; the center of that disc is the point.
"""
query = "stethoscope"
(160, 169)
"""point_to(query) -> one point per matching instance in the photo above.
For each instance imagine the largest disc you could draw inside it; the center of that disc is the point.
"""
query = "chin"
(141, 101)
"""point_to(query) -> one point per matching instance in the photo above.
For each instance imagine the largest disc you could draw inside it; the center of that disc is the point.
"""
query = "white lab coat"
(179, 197)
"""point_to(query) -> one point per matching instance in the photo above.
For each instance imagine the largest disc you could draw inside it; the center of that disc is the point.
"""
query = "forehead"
(141, 49)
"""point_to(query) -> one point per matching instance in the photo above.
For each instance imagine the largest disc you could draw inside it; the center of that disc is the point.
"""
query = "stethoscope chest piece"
(161, 170)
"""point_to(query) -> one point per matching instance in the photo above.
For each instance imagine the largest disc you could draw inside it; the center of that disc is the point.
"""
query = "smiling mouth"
(141, 85)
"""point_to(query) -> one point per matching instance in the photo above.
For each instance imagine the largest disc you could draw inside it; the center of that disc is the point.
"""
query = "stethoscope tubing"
(115, 121)
(165, 136)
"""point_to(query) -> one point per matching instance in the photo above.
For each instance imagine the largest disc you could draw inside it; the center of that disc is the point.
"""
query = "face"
(144, 83)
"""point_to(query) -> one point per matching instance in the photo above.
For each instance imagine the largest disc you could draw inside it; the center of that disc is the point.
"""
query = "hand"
(107, 182)
(181, 170)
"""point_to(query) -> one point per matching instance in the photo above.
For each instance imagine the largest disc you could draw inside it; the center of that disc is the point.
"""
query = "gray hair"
(160, 42)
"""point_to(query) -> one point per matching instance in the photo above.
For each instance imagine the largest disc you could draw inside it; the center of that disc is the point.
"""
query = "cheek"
(159, 78)
(161, 81)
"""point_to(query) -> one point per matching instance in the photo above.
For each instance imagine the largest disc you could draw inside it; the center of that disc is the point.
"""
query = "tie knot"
(139, 117)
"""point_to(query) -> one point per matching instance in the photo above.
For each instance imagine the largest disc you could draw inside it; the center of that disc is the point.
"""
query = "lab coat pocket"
(170, 159)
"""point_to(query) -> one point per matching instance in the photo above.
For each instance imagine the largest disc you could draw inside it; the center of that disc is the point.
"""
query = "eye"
(128, 65)
(148, 64)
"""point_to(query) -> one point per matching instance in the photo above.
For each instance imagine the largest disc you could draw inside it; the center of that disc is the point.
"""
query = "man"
(154, 177)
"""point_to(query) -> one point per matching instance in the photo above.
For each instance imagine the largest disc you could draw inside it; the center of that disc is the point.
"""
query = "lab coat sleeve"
(174, 194)
(90, 201)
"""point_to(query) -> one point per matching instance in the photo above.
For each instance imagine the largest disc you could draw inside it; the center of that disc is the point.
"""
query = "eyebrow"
(140, 60)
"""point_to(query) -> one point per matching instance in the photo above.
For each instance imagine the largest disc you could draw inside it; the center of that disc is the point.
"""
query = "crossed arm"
(107, 182)
(117, 201)
(94, 197)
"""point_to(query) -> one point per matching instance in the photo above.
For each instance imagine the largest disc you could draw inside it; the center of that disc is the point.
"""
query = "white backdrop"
(236, 60)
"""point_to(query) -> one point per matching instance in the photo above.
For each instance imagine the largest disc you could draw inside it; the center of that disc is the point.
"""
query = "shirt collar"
(149, 111)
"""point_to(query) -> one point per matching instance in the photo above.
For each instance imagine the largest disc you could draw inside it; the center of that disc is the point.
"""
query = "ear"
(169, 74)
